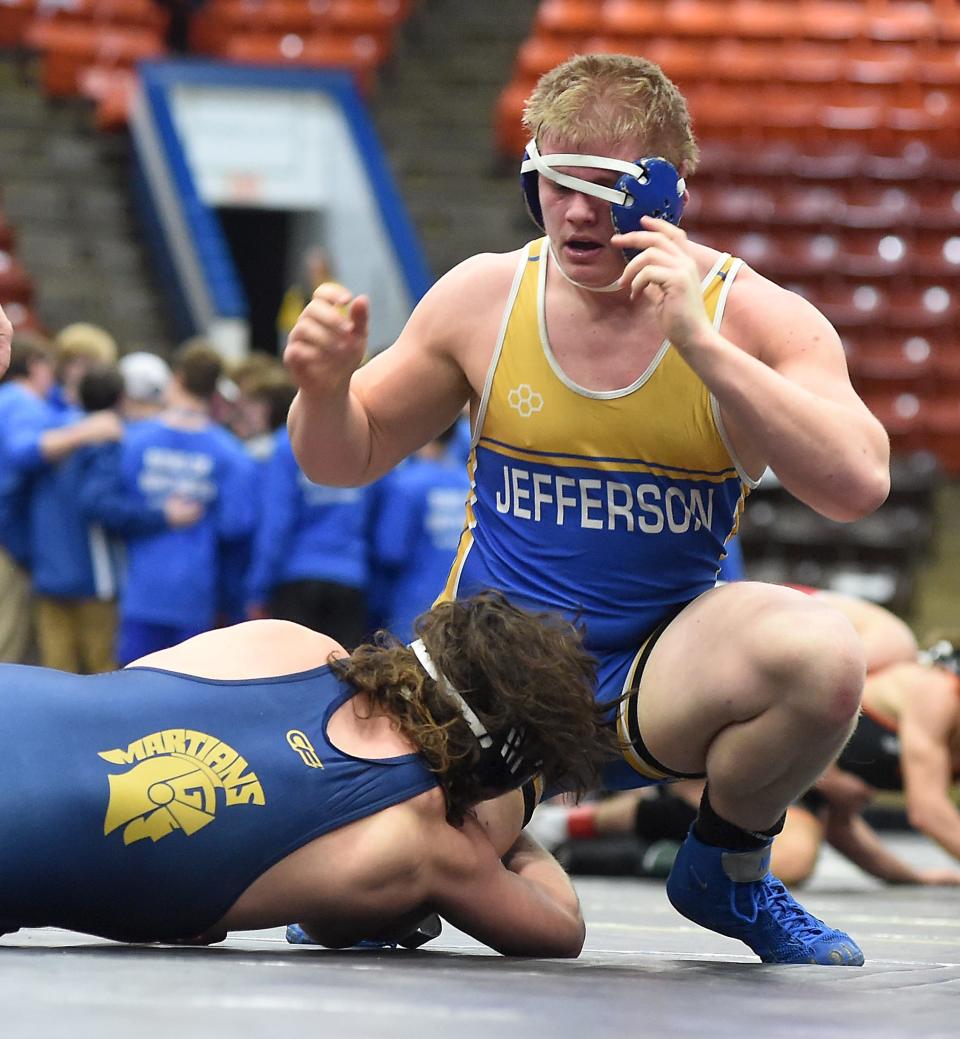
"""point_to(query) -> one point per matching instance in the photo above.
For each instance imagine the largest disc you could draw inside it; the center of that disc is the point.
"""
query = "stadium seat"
(921, 306)
(849, 304)
(762, 19)
(631, 20)
(509, 135)
(572, 20)
(830, 20)
(876, 205)
(908, 20)
(537, 55)
(143, 13)
(112, 91)
(66, 49)
(889, 365)
(8, 236)
(873, 254)
(936, 205)
(361, 55)
(15, 16)
(936, 254)
(22, 317)
(699, 19)
(16, 285)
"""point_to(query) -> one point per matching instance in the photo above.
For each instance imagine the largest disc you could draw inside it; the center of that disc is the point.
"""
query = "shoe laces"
(788, 912)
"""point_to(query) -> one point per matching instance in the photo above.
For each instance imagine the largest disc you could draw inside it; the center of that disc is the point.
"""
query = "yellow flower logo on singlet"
(173, 784)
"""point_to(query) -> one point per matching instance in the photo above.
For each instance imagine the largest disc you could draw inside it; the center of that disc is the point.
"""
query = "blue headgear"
(647, 187)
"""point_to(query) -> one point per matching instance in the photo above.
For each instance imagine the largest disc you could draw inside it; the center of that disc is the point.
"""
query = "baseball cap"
(145, 376)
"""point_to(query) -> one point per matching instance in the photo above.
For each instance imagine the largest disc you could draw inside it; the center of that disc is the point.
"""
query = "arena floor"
(644, 972)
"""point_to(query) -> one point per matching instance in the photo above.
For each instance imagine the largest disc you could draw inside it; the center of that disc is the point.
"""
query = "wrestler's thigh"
(727, 657)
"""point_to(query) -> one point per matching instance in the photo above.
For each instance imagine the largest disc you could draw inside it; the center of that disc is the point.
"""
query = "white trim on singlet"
(603, 394)
(752, 483)
(498, 349)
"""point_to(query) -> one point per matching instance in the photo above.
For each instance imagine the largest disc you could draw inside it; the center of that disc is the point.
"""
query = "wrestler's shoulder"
(482, 272)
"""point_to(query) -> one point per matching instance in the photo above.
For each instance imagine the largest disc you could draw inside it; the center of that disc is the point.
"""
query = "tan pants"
(76, 634)
(16, 620)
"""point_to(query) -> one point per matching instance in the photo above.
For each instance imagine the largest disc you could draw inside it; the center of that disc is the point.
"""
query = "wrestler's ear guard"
(530, 186)
(648, 187)
(658, 192)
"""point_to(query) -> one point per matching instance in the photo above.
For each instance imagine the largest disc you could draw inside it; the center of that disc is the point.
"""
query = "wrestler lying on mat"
(256, 775)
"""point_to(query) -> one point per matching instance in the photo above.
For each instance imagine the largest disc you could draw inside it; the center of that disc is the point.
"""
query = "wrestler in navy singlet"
(140, 804)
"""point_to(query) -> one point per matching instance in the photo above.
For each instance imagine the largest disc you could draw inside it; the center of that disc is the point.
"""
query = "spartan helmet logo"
(162, 794)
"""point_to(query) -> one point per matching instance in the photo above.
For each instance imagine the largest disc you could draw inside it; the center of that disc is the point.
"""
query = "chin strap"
(613, 286)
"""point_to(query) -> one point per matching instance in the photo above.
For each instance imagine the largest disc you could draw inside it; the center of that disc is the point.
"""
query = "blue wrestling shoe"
(296, 935)
(428, 929)
(734, 893)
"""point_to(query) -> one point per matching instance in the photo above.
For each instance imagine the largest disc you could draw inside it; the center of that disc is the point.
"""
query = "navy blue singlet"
(140, 804)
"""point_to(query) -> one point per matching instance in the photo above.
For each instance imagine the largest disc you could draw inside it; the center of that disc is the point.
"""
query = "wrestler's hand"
(667, 276)
(6, 338)
(328, 341)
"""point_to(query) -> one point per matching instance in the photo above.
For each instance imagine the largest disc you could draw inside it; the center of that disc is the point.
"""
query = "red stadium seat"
(830, 20)
(360, 55)
(631, 19)
(702, 19)
(509, 134)
(936, 255)
(22, 317)
(15, 16)
(569, 19)
(112, 90)
(16, 285)
(849, 304)
(890, 365)
(907, 20)
(873, 254)
(762, 19)
(538, 54)
(69, 48)
(922, 306)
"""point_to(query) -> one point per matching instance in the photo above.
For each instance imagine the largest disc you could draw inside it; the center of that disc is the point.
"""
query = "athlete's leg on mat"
(758, 686)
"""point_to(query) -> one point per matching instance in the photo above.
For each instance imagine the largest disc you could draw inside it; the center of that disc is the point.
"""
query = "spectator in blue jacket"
(418, 527)
(180, 460)
(310, 553)
(25, 386)
(75, 562)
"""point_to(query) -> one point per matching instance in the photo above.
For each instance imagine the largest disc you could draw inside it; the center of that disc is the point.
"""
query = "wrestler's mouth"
(583, 247)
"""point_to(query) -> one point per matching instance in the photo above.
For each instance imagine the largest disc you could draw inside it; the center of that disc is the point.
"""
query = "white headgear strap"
(476, 726)
(544, 165)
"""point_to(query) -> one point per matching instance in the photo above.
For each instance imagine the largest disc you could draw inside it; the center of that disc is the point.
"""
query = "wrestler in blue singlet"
(140, 804)
(611, 506)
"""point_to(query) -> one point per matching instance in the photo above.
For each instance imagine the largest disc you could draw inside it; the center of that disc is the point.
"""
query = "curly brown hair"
(514, 668)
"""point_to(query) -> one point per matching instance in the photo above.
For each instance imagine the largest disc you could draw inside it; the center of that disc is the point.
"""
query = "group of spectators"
(143, 502)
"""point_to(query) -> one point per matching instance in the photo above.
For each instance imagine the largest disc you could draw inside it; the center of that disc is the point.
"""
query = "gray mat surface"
(644, 972)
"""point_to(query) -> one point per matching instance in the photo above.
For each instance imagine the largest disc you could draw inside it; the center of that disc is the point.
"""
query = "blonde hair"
(83, 341)
(618, 97)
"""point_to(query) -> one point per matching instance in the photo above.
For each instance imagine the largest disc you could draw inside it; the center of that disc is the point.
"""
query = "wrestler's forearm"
(854, 838)
(939, 820)
(534, 863)
(331, 438)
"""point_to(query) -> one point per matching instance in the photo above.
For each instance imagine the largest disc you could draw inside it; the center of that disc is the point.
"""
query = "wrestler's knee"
(815, 659)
